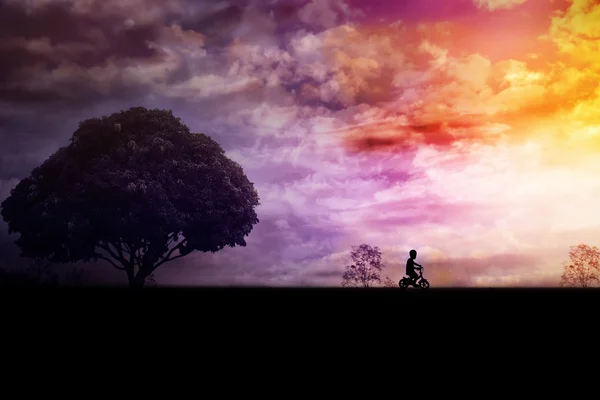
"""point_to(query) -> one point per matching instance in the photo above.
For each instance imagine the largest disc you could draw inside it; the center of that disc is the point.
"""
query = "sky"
(468, 130)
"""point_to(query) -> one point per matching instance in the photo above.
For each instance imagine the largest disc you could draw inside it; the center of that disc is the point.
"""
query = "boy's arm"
(418, 265)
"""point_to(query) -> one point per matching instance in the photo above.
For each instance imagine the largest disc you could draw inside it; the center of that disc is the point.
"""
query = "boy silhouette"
(410, 266)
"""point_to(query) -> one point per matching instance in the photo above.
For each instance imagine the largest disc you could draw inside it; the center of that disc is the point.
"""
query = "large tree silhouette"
(583, 270)
(136, 189)
(366, 268)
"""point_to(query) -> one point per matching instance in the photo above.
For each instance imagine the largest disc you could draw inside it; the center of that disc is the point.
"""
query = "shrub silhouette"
(22, 278)
(388, 282)
(136, 189)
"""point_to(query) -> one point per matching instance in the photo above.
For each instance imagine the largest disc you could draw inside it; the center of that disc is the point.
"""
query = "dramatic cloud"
(468, 130)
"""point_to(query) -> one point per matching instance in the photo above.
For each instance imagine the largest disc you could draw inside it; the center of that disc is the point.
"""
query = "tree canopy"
(136, 189)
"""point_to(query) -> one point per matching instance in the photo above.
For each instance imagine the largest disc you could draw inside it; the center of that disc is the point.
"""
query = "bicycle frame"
(420, 269)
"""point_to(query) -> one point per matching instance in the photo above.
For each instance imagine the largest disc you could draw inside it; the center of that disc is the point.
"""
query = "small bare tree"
(366, 268)
(584, 268)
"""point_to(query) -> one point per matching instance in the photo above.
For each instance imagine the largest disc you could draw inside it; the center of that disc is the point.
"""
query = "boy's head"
(413, 254)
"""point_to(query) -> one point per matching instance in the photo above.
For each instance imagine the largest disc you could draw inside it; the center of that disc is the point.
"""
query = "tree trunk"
(136, 284)
(130, 276)
(138, 281)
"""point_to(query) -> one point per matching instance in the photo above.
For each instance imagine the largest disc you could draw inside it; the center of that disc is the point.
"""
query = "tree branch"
(108, 249)
(125, 247)
(138, 256)
(131, 251)
(171, 237)
(168, 257)
(119, 249)
(113, 255)
(167, 260)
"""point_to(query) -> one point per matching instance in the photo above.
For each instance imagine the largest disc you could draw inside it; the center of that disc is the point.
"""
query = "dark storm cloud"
(423, 10)
(75, 53)
(218, 24)
(56, 59)
(224, 21)
(54, 37)
(221, 22)
(92, 38)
